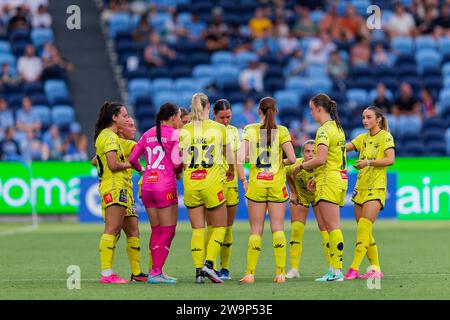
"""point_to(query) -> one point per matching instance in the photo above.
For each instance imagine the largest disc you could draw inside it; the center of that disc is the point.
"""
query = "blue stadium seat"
(409, 124)
(5, 47)
(444, 95)
(320, 85)
(19, 35)
(316, 16)
(179, 72)
(373, 93)
(39, 99)
(63, 116)
(412, 149)
(287, 99)
(222, 57)
(444, 45)
(436, 149)
(409, 137)
(33, 87)
(139, 87)
(446, 82)
(316, 70)
(447, 140)
(41, 36)
(361, 6)
(446, 69)
(185, 98)
(187, 84)
(55, 87)
(356, 132)
(44, 115)
(433, 123)
(300, 84)
(7, 58)
(425, 42)
(245, 57)
(163, 84)
(274, 83)
(146, 123)
(357, 97)
(15, 100)
(393, 124)
(203, 70)
(161, 97)
(427, 57)
(119, 22)
(225, 73)
(403, 45)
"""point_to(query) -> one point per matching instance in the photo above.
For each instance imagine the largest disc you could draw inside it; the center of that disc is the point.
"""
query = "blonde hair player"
(376, 152)
(263, 145)
(301, 199)
(203, 144)
(330, 171)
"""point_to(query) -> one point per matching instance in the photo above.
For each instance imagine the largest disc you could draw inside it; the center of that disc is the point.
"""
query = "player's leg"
(352, 273)
(324, 234)
(277, 213)
(298, 221)
(227, 248)
(331, 216)
(208, 233)
(114, 215)
(167, 218)
(197, 220)
(133, 247)
(256, 216)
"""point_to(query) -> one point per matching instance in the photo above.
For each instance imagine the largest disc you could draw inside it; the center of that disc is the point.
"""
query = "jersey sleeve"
(357, 142)
(285, 136)
(111, 143)
(184, 139)
(322, 137)
(388, 142)
(246, 133)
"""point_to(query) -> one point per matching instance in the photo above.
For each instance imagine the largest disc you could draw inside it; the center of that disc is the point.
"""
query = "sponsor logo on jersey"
(153, 177)
(344, 175)
(108, 198)
(268, 176)
(285, 194)
(198, 175)
(169, 196)
(220, 196)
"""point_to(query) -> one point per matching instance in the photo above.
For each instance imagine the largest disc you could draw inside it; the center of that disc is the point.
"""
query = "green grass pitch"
(414, 257)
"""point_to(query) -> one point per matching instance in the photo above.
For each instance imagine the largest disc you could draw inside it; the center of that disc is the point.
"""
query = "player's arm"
(388, 160)
(288, 149)
(319, 160)
(294, 195)
(134, 157)
(94, 161)
(113, 164)
(228, 152)
(350, 147)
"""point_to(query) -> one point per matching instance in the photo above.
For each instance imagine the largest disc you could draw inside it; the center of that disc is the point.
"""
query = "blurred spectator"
(173, 30)
(442, 23)
(55, 66)
(156, 52)
(41, 19)
(6, 116)
(426, 26)
(113, 7)
(381, 101)
(338, 70)
(289, 44)
(405, 104)
(9, 147)
(401, 23)
(251, 78)
(7, 76)
(427, 103)
(34, 149)
(352, 25)
(304, 27)
(216, 34)
(19, 21)
(185, 116)
(30, 66)
(54, 143)
(259, 23)
(26, 119)
(330, 23)
(195, 27)
(143, 30)
(281, 28)
(266, 45)
(379, 56)
(296, 65)
(319, 50)
(75, 145)
(360, 53)
(250, 113)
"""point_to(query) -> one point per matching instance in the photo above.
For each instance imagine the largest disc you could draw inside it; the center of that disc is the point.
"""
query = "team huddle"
(208, 155)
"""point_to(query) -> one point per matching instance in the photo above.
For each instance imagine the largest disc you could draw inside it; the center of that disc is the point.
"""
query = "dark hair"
(107, 111)
(384, 125)
(166, 111)
(184, 112)
(268, 107)
(330, 106)
(220, 105)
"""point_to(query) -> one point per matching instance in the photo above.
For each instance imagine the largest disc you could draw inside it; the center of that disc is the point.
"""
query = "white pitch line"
(18, 230)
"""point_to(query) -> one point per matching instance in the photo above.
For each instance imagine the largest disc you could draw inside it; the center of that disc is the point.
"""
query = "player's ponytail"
(166, 111)
(199, 103)
(107, 111)
(330, 106)
(268, 108)
(379, 114)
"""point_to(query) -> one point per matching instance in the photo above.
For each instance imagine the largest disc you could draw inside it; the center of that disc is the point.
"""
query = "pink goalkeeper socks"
(161, 248)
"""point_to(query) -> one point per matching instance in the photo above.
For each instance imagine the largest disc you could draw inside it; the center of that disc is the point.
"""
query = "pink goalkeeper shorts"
(159, 198)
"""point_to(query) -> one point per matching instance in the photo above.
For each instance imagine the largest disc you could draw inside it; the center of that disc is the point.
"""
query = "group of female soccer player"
(209, 156)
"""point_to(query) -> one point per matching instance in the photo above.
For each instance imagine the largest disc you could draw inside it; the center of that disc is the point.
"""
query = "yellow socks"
(372, 253)
(215, 243)
(253, 251)
(279, 248)
(225, 252)
(326, 246)
(209, 231)
(363, 232)
(336, 248)
(198, 247)
(134, 254)
(296, 244)
(107, 246)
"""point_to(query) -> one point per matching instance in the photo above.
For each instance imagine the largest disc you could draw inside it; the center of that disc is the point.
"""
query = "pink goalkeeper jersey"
(162, 161)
